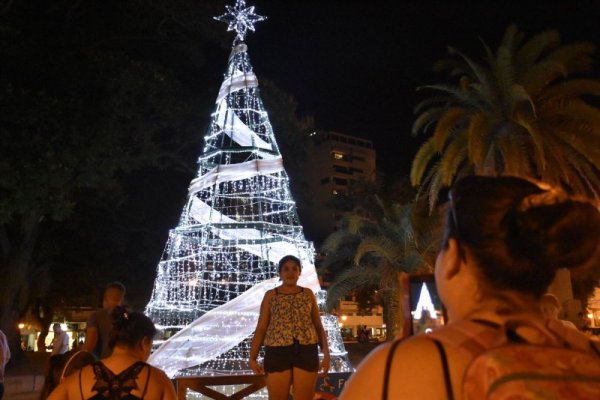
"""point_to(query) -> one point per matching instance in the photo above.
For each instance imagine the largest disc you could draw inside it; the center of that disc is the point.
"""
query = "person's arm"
(52, 344)
(7, 357)
(259, 333)
(91, 339)
(316, 320)
(4, 350)
(61, 392)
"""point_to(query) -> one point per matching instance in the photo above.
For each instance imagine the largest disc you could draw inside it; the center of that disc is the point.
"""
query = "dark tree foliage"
(92, 94)
(103, 106)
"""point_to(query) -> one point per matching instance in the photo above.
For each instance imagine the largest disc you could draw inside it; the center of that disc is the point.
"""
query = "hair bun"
(555, 231)
(121, 318)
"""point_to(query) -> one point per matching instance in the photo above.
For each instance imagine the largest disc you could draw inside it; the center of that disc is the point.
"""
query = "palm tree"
(374, 249)
(522, 112)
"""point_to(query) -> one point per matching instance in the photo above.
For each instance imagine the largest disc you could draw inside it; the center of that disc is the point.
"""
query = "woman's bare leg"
(304, 384)
(278, 384)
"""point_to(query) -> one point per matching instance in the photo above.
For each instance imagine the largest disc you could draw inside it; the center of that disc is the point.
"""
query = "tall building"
(335, 160)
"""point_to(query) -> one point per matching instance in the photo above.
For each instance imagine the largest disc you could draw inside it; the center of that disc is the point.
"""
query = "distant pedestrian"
(551, 308)
(290, 327)
(60, 342)
(99, 324)
(4, 357)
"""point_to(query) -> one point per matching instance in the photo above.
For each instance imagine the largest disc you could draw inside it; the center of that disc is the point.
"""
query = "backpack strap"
(470, 337)
(388, 367)
(445, 369)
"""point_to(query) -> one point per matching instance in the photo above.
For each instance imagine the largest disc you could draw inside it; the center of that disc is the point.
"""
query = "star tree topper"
(240, 18)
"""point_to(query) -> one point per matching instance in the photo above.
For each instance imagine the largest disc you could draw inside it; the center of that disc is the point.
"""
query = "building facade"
(335, 160)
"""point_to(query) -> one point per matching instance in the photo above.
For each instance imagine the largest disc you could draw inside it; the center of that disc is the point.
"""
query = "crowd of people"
(503, 241)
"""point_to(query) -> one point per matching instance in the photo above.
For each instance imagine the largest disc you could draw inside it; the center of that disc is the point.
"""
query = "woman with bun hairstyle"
(124, 374)
(290, 327)
(503, 241)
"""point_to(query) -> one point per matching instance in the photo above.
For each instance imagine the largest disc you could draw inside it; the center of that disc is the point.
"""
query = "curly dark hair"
(518, 233)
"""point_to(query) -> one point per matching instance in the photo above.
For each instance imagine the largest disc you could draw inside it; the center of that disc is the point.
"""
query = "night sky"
(355, 65)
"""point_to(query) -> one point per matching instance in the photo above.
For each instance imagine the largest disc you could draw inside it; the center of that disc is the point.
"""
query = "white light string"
(239, 220)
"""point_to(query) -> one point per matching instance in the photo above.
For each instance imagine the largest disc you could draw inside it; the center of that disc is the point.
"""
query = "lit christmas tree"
(238, 221)
(424, 304)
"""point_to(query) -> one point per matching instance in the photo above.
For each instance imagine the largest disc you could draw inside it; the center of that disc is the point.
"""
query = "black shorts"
(282, 358)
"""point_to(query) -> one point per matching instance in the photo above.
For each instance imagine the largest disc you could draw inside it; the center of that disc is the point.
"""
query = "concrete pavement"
(24, 376)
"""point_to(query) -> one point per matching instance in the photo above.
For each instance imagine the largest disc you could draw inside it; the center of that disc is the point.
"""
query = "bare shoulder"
(69, 388)
(161, 378)
(160, 386)
(159, 375)
(411, 367)
(310, 293)
(268, 294)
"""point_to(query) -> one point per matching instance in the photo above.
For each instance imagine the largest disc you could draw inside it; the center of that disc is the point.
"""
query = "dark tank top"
(116, 386)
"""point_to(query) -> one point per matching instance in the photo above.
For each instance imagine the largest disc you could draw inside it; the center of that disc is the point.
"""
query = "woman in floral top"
(290, 327)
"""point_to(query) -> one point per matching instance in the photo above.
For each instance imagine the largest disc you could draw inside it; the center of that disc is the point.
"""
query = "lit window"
(338, 156)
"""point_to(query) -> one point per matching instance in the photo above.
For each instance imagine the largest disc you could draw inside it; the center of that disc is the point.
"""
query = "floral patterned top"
(291, 319)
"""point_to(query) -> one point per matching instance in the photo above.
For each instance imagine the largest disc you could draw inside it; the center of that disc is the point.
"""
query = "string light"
(240, 18)
(238, 221)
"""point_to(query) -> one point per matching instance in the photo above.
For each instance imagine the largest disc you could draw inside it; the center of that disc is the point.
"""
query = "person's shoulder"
(94, 316)
(308, 292)
(158, 373)
(568, 324)
(162, 380)
(70, 384)
(402, 365)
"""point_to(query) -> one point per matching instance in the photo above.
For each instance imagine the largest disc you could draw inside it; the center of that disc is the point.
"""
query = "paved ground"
(358, 351)
(25, 377)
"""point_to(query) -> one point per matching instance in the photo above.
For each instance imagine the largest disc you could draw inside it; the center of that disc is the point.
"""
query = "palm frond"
(571, 88)
(422, 159)
(434, 187)
(426, 118)
(576, 57)
(571, 109)
(457, 95)
(473, 69)
(429, 102)
(349, 280)
(534, 48)
(521, 101)
(379, 246)
(477, 139)
(503, 70)
(454, 155)
(541, 75)
(445, 125)
(537, 138)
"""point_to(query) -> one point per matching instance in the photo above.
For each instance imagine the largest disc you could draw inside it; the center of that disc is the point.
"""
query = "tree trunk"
(43, 315)
(16, 270)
